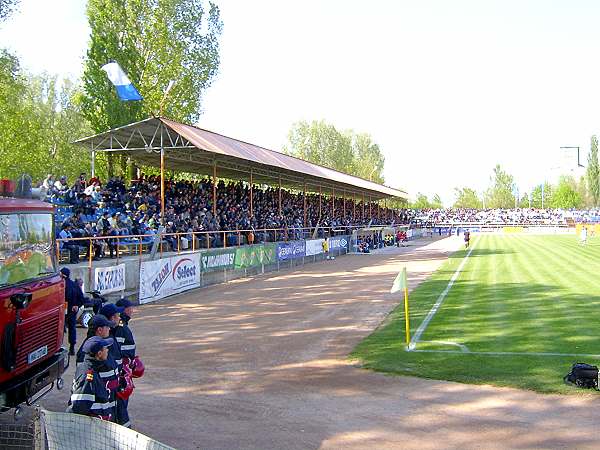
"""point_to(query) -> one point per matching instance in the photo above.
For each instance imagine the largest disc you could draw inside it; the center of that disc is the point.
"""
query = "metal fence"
(66, 431)
(139, 244)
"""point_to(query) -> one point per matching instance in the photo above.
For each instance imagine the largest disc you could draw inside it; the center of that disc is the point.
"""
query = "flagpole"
(401, 284)
(406, 316)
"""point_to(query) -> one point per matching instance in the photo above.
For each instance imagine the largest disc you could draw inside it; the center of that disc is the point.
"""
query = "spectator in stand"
(60, 185)
(66, 244)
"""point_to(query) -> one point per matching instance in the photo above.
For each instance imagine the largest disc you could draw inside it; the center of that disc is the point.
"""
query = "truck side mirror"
(21, 300)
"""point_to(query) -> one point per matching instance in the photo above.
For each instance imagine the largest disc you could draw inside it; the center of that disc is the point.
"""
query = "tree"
(536, 196)
(368, 159)
(38, 122)
(524, 202)
(593, 172)
(349, 152)
(565, 195)
(466, 198)
(500, 193)
(422, 202)
(436, 202)
(7, 7)
(154, 42)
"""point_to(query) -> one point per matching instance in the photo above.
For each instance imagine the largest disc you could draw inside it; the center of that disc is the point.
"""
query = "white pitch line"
(577, 355)
(436, 306)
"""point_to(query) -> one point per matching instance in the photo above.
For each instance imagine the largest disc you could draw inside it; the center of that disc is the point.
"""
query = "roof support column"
(320, 197)
(363, 208)
(304, 195)
(251, 194)
(333, 204)
(93, 170)
(353, 206)
(344, 203)
(280, 195)
(162, 178)
(214, 188)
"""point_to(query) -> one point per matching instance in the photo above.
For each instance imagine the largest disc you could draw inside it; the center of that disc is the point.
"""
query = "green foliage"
(436, 202)
(500, 193)
(7, 7)
(524, 202)
(566, 195)
(154, 42)
(422, 202)
(321, 143)
(368, 160)
(467, 198)
(593, 172)
(38, 121)
(536, 196)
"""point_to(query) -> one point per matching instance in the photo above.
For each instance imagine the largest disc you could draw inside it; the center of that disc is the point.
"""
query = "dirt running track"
(262, 364)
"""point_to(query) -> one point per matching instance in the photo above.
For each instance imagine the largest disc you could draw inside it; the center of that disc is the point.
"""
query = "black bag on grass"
(583, 375)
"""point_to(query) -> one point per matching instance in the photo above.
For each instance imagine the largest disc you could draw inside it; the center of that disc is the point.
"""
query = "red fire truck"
(32, 304)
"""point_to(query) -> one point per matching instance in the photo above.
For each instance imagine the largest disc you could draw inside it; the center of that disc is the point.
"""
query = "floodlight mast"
(578, 161)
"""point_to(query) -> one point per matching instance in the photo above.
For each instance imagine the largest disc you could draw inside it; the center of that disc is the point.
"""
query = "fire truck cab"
(32, 304)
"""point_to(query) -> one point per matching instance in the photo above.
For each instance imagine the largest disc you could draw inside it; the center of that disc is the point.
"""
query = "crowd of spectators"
(115, 209)
(516, 216)
(92, 208)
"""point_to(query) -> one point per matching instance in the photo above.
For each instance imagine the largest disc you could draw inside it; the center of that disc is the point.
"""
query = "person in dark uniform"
(124, 335)
(91, 395)
(467, 238)
(74, 299)
(113, 314)
(100, 328)
(131, 362)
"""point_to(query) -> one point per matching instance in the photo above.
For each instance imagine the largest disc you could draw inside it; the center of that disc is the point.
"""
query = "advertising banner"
(168, 276)
(338, 242)
(314, 247)
(110, 279)
(254, 255)
(291, 249)
(218, 259)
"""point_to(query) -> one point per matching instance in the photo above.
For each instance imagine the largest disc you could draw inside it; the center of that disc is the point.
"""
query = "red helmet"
(137, 368)
(126, 389)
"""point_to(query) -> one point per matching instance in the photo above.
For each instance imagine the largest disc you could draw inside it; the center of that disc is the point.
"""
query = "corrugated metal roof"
(223, 145)
(235, 159)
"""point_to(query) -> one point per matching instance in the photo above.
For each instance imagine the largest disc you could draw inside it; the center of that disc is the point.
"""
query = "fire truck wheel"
(60, 383)
(85, 319)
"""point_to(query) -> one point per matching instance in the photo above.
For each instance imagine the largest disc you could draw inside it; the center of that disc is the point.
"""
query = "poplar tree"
(155, 42)
(593, 172)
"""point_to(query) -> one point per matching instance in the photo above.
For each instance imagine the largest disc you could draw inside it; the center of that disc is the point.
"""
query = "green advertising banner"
(218, 259)
(255, 255)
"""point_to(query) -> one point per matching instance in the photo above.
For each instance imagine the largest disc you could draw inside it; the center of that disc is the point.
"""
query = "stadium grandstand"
(241, 193)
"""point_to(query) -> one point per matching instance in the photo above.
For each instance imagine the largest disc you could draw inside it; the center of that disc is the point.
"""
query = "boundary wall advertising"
(174, 274)
(150, 280)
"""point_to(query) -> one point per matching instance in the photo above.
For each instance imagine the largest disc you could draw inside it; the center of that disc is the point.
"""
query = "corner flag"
(400, 282)
(125, 89)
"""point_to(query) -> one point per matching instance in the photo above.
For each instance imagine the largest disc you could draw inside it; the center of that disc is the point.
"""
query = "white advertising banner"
(168, 276)
(110, 279)
(314, 247)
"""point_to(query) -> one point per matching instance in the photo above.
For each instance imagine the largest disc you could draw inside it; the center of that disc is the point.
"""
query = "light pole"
(572, 148)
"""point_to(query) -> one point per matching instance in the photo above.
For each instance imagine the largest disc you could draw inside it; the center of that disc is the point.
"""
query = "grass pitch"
(522, 310)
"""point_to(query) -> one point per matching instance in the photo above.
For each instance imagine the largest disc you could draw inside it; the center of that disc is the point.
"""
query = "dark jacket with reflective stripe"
(110, 371)
(125, 339)
(91, 394)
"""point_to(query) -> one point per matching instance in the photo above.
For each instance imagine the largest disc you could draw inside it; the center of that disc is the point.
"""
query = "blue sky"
(446, 88)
